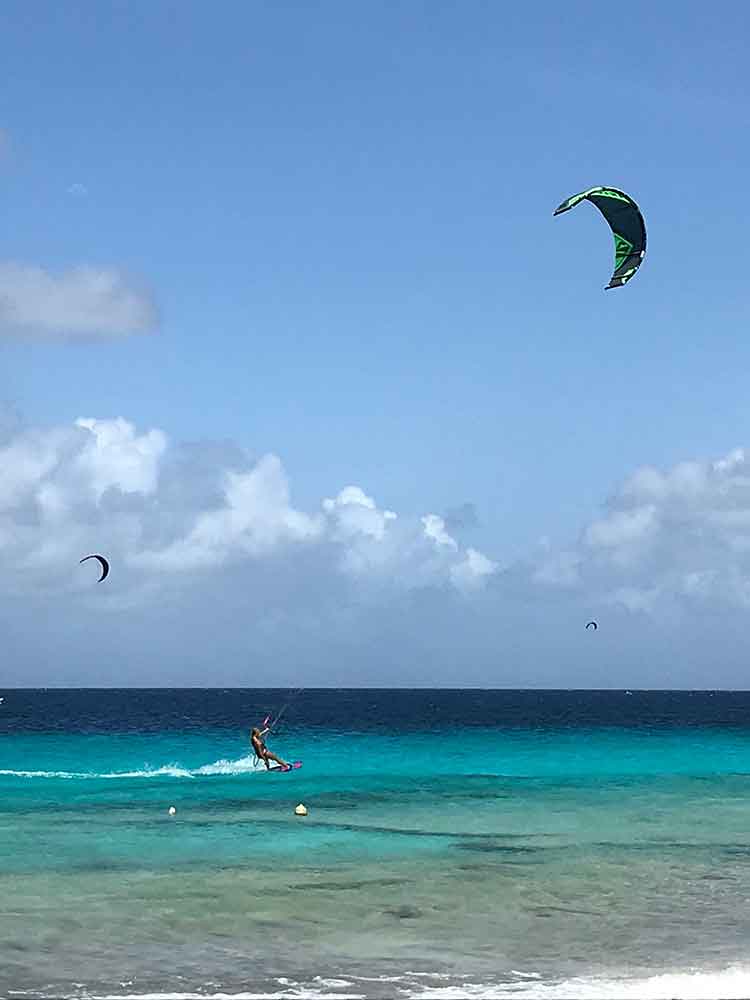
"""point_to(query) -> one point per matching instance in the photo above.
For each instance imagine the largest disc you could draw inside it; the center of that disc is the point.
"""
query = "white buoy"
(172, 810)
(301, 810)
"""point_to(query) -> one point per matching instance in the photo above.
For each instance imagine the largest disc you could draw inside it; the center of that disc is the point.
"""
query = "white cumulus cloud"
(82, 302)
(163, 514)
(114, 455)
(434, 528)
(674, 536)
(472, 570)
(256, 517)
(352, 512)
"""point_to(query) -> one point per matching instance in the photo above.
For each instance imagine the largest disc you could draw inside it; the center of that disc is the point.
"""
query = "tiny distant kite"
(627, 225)
(592, 625)
(102, 562)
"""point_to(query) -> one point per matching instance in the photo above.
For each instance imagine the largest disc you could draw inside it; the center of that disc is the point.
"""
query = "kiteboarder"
(261, 750)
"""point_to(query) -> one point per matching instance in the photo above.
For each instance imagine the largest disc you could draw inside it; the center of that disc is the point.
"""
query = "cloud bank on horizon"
(679, 537)
(202, 538)
(103, 481)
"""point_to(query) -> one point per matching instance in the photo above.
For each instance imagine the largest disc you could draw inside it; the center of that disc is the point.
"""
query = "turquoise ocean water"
(457, 844)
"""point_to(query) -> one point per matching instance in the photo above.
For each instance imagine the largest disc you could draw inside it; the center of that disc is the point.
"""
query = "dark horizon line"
(220, 687)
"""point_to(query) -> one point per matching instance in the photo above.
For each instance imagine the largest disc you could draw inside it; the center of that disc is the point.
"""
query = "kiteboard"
(290, 767)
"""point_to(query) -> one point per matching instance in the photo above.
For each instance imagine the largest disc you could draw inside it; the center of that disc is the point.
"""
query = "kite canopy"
(627, 225)
(592, 625)
(102, 562)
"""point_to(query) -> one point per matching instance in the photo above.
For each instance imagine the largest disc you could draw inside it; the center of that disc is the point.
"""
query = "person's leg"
(277, 759)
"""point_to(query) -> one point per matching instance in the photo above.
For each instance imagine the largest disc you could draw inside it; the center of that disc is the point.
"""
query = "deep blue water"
(365, 709)
(527, 842)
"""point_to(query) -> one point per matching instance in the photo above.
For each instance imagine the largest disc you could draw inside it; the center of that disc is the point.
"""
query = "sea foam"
(244, 765)
(730, 984)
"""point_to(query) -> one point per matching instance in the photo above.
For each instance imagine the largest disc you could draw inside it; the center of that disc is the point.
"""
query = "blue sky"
(333, 225)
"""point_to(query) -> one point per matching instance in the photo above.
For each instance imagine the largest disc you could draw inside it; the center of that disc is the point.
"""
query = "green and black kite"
(627, 225)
